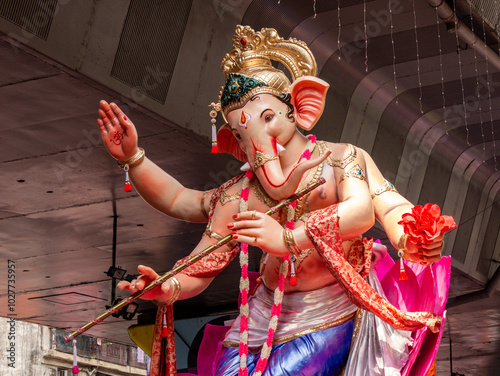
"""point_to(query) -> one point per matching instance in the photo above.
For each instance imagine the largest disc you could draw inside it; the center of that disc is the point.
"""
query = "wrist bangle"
(402, 245)
(137, 159)
(175, 295)
(290, 244)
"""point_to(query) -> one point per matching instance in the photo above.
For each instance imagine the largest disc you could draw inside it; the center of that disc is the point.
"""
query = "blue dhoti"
(323, 352)
(313, 335)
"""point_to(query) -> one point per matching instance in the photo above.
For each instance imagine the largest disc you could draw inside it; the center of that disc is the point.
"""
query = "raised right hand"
(148, 275)
(118, 133)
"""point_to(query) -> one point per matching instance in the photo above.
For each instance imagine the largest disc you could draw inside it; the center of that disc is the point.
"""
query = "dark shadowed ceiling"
(421, 99)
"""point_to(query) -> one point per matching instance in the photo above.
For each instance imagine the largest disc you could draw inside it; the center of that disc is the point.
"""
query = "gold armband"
(212, 234)
(385, 187)
(355, 172)
(202, 203)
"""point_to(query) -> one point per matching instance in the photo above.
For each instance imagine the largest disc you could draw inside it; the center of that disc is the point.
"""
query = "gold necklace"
(261, 194)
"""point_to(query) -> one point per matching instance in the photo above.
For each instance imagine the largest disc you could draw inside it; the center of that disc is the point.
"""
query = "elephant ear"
(308, 98)
(227, 143)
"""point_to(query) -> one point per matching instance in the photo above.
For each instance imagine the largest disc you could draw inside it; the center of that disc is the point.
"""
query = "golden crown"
(249, 71)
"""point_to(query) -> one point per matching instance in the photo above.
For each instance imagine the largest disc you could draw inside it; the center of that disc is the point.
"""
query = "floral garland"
(244, 283)
(278, 292)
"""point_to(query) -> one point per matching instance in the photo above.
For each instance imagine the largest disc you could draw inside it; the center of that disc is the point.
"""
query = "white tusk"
(280, 148)
(245, 167)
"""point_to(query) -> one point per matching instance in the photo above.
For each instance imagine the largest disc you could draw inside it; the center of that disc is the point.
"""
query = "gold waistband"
(312, 329)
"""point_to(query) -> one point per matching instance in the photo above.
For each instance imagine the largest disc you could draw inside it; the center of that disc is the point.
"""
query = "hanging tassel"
(75, 369)
(213, 115)
(164, 329)
(293, 278)
(128, 186)
(402, 271)
(401, 253)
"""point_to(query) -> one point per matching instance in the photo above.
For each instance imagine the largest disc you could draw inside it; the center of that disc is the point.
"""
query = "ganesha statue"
(323, 304)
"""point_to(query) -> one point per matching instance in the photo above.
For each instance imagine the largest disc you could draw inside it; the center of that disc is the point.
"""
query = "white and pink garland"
(278, 292)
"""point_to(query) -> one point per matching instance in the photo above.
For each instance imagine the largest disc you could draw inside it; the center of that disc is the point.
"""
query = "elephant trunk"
(279, 186)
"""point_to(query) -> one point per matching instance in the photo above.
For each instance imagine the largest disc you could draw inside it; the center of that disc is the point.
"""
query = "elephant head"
(263, 108)
(264, 131)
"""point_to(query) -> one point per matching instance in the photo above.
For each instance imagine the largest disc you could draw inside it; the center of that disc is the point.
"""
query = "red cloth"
(210, 265)
(163, 356)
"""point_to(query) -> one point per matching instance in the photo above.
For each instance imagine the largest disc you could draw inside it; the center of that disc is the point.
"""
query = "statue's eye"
(237, 135)
(268, 117)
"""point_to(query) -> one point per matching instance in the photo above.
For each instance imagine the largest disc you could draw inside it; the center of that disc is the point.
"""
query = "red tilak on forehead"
(245, 118)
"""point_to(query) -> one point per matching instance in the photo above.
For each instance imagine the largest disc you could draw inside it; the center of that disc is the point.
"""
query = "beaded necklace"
(278, 292)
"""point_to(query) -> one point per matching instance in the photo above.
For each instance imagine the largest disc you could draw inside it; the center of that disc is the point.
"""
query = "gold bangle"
(137, 159)
(402, 245)
(175, 295)
(290, 244)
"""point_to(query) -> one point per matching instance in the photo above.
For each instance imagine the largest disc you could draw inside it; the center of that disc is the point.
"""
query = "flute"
(157, 282)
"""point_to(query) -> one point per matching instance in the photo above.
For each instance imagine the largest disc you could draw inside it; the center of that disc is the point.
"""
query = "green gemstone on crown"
(236, 86)
(233, 88)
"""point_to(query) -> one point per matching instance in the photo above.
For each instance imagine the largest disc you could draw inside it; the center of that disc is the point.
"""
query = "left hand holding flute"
(148, 275)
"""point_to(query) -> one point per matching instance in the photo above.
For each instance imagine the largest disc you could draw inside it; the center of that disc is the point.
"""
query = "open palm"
(118, 133)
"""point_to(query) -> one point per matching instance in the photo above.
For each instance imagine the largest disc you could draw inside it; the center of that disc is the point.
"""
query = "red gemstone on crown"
(243, 41)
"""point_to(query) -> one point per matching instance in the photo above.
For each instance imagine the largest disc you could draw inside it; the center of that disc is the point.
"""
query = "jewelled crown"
(249, 71)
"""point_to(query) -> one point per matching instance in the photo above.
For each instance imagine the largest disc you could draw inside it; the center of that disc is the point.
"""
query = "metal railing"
(94, 348)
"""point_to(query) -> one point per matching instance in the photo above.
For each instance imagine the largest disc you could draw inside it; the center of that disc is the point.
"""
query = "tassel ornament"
(164, 329)
(402, 271)
(75, 369)
(137, 159)
(213, 120)
(128, 186)
(293, 278)
(401, 252)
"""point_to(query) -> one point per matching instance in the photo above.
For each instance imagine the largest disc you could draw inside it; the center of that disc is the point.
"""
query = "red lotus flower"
(424, 224)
